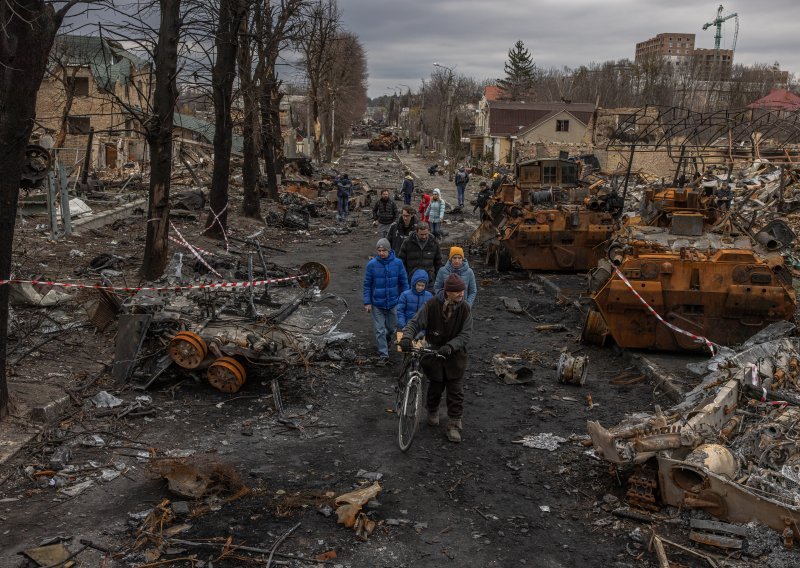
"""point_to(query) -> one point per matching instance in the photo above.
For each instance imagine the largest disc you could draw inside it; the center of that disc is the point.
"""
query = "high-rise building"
(676, 48)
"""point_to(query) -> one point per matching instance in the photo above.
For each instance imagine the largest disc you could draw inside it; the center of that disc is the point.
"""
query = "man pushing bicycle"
(447, 321)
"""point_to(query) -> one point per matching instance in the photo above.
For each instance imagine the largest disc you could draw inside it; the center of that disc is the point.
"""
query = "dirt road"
(485, 502)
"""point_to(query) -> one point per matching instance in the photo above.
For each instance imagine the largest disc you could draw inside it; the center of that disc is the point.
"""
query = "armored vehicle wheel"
(226, 374)
(187, 349)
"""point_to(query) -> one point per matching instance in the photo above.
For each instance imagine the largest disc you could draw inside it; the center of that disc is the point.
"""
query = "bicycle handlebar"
(422, 351)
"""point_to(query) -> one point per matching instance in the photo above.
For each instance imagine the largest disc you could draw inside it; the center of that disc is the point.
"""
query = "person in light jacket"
(457, 264)
(435, 212)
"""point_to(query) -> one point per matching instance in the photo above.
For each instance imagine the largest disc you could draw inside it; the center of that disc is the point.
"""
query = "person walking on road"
(385, 279)
(421, 250)
(435, 212)
(384, 213)
(447, 321)
(407, 189)
(424, 201)
(462, 178)
(412, 300)
(457, 264)
(402, 228)
(344, 190)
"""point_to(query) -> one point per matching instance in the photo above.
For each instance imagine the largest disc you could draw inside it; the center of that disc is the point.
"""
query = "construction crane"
(718, 21)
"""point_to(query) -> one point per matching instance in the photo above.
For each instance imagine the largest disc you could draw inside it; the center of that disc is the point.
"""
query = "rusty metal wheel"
(226, 374)
(187, 349)
(316, 274)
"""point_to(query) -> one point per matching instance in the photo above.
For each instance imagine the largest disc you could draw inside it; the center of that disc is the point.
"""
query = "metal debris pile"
(222, 331)
(386, 141)
(731, 448)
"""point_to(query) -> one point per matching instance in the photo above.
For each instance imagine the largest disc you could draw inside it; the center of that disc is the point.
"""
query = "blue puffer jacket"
(411, 300)
(466, 274)
(384, 280)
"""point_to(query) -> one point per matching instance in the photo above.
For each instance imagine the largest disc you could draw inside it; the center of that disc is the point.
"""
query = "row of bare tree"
(232, 47)
(612, 84)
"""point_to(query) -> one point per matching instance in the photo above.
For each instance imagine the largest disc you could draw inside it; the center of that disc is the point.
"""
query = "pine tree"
(520, 73)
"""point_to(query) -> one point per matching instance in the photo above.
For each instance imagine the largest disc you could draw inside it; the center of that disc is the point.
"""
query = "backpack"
(462, 178)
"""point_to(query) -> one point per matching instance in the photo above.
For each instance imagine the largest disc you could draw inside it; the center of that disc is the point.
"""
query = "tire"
(409, 412)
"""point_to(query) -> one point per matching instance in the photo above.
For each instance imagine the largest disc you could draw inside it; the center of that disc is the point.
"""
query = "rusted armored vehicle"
(721, 287)
(546, 221)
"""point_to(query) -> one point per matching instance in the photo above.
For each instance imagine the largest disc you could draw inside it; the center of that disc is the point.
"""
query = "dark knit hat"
(454, 283)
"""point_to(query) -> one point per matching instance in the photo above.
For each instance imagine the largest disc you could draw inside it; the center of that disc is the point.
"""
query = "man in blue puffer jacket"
(385, 279)
(457, 264)
(412, 299)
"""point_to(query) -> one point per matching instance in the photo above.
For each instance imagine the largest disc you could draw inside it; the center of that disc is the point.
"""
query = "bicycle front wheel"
(409, 413)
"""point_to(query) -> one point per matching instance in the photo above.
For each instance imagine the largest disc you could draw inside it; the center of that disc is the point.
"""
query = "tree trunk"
(251, 204)
(24, 50)
(267, 134)
(158, 133)
(277, 134)
(222, 78)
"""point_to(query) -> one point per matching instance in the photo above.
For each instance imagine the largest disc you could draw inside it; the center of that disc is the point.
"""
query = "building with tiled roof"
(777, 99)
(500, 125)
(90, 83)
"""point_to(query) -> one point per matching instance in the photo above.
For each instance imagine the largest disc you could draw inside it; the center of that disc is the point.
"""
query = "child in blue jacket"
(413, 299)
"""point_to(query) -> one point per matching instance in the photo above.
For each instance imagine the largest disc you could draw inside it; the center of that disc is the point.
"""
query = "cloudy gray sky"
(404, 37)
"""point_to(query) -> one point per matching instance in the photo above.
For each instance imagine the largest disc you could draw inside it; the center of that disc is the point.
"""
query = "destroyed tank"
(721, 287)
(546, 221)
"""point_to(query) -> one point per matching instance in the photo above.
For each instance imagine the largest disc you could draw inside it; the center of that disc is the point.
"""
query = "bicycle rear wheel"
(409, 413)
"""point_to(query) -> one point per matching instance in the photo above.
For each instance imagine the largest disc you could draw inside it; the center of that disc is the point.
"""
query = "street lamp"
(447, 119)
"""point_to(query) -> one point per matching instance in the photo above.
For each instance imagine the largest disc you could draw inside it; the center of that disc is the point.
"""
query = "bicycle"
(410, 393)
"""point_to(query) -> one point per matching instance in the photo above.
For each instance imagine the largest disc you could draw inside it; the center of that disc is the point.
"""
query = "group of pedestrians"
(442, 315)
(410, 291)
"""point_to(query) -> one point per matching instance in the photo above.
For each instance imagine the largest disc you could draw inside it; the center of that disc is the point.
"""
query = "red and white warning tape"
(196, 254)
(198, 249)
(208, 286)
(697, 338)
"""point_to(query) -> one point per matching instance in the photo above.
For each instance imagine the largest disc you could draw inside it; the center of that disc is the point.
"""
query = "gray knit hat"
(384, 244)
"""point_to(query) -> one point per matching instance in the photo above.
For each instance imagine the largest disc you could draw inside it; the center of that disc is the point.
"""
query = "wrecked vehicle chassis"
(725, 296)
(223, 331)
(569, 238)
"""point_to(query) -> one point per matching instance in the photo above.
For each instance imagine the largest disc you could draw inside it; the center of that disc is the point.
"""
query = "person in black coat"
(421, 250)
(447, 321)
(384, 213)
(402, 228)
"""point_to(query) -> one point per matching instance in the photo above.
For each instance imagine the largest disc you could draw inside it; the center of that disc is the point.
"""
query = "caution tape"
(198, 249)
(696, 338)
(206, 286)
(196, 254)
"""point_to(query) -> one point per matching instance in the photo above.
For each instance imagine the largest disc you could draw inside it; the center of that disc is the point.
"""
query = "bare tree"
(251, 202)
(226, 40)
(153, 108)
(344, 98)
(322, 27)
(28, 30)
(158, 133)
(277, 24)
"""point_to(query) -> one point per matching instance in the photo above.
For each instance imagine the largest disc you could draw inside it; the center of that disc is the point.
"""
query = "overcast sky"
(404, 37)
